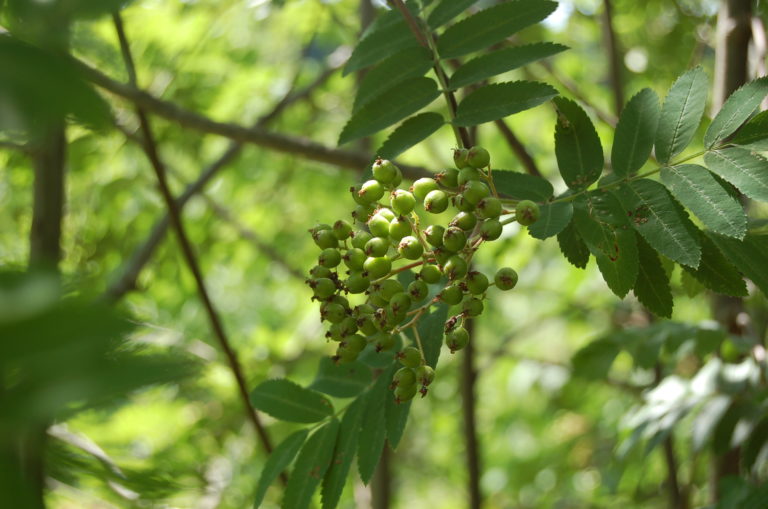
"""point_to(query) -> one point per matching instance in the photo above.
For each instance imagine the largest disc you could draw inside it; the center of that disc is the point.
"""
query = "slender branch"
(150, 147)
(293, 145)
(469, 407)
(518, 148)
(573, 88)
(614, 57)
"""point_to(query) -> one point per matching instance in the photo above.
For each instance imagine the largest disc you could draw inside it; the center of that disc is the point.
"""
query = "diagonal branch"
(614, 57)
(150, 148)
(518, 148)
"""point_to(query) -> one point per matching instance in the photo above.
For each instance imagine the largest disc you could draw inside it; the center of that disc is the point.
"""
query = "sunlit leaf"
(500, 100)
(736, 110)
(635, 133)
(288, 401)
(681, 114)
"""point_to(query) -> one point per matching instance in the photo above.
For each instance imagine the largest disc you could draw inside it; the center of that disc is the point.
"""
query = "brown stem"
(518, 148)
(381, 484)
(150, 148)
(614, 57)
(573, 88)
(48, 157)
(677, 500)
(468, 407)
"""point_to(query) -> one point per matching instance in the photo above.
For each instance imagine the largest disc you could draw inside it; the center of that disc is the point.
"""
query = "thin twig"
(518, 148)
(150, 147)
(614, 57)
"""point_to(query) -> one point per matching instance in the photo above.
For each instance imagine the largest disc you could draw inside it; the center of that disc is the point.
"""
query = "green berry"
(355, 191)
(474, 191)
(457, 339)
(342, 229)
(357, 283)
(325, 239)
(448, 178)
(434, 234)
(490, 229)
(463, 204)
(362, 213)
(402, 201)
(477, 283)
(371, 191)
(441, 255)
(346, 327)
(418, 290)
(377, 267)
(478, 157)
(320, 227)
(355, 342)
(455, 268)
(460, 157)
(383, 341)
(329, 257)
(400, 304)
(341, 300)
(377, 246)
(354, 258)
(422, 187)
(451, 295)
(472, 307)
(469, 174)
(454, 239)
(527, 212)
(489, 208)
(424, 375)
(386, 213)
(405, 393)
(410, 248)
(464, 220)
(323, 287)
(403, 377)
(505, 279)
(379, 225)
(384, 171)
(366, 326)
(318, 271)
(436, 202)
(360, 239)
(389, 288)
(345, 355)
(332, 312)
(430, 274)
(399, 227)
(363, 310)
(409, 357)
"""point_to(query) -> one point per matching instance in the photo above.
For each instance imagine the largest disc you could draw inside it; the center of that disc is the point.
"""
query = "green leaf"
(409, 133)
(716, 272)
(341, 380)
(390, 107)
(501, 61)
(500, 100)
(343, 454)
(446, 10)
(661, 221)
(698, 190)
(746, 170)
(681, 114)
(573, 247)
(396, 417)
(430, 329)
(63, 10)
(373, 431)
(594, 361)
(602, 224)
(521, 186)
(652, 284)
(754, 134)
(554, 218)
(736, 110)
(409, 63)
(278, 461)
(492, 25)
(311, 465)
(390, 35)
(750, 256)
(577, 146)
(635, 133)
(287, 401)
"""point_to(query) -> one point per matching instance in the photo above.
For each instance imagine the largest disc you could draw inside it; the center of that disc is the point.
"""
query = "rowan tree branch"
(217, 325)
(518, 148)
(614, 57)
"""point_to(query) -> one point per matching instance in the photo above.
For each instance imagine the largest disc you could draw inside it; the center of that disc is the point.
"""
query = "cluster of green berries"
(355, 279)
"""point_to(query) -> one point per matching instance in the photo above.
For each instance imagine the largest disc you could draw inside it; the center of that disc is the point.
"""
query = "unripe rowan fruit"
(377, 267)
(455, 268)
(346, 327)
(383, 341)
(448, 178)
(342, 229)
(422, 187)
(451, 295)
(410, 248)
(377, 246)
(404, 376)
(360, 200)
(472, 307)
(399, 227)
(319, 227)
(477, 283)
(360, 239)
(402, 201)
(329, 258)
(527, 212)
(371, 191)
(409, 357)
(357, 283)
(400, 304)
(434, 235)
(363, 310)
(490, 229)
(468, 174)
(405, 393)
(362, 213)
(478, 157)
(489, 208)
(345, 355)
(384, 171)
(418, 290)
(441, 255)
(341, 300)
(436, 202)
(460, 157)
(505, 279)
(462, 204)
(318, 271)
(366, 326)
(355, 342)
(325, 239)
(424, 375)
(464, 220)
(474, 191)
(386, 213)
(398, 178)
(430, 274)
(389, 288)
(354, 258)
(323, 287)
(332, 312)
(457, 339)
(379, 225)
(454, 239)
